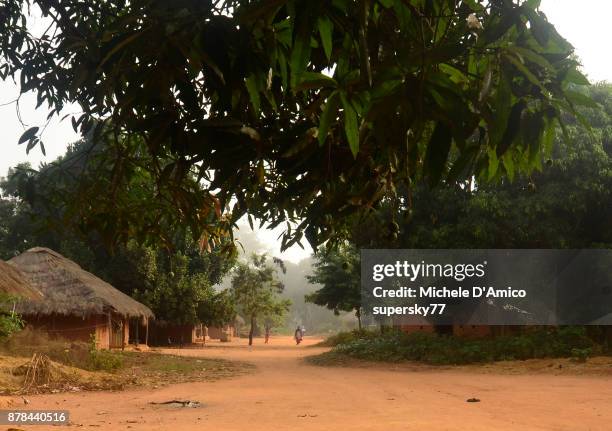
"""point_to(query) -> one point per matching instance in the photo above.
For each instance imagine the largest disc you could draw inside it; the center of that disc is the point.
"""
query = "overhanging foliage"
(306, 112)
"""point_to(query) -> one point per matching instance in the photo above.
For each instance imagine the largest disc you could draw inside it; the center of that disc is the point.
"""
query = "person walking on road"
(298, 335)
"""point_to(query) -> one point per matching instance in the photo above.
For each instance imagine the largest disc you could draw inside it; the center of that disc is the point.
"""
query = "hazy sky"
(586, 24)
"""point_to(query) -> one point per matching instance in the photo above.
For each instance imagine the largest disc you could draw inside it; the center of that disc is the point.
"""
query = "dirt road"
(284, 393)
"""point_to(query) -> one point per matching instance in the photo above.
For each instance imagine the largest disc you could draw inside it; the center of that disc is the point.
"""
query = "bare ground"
(287, 393)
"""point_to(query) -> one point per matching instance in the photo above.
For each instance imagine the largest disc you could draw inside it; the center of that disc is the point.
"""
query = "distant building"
(222, 333)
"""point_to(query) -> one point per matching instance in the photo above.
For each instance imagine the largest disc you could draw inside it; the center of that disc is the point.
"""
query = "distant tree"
(217, 309)
(255, 289)
(274, 316)
(20, 228)
(339, 272)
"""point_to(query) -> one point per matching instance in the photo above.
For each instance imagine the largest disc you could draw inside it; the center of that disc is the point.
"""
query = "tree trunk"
(251, 330)
(358, 315)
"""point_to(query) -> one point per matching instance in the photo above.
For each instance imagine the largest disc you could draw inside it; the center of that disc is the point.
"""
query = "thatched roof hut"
(69, 290)
(14, 284)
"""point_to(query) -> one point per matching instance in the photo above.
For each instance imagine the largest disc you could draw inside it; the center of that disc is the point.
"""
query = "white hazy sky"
(586, 24)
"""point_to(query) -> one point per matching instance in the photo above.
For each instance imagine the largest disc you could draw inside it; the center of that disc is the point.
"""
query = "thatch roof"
(70, 290)
(14, 284)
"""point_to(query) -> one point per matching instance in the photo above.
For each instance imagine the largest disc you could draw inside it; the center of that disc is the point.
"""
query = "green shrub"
(441, 350)
(581, 355)
(347, 337)
(102, 360)
(10, 322)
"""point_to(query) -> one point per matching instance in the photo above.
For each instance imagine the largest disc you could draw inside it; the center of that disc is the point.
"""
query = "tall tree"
(217, 309)
(256, 289)
(339, 272)
(306, 112)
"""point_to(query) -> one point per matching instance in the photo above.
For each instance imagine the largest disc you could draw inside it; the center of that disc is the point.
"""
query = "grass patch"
(331, 359)
(348, 337)
(157, 369)
(395, 346)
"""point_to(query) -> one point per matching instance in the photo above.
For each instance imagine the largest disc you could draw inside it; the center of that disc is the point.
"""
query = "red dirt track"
(284, 393)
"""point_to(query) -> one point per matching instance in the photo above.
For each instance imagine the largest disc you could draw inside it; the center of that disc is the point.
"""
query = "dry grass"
(31, 362)
(21, 375)
(28, 342)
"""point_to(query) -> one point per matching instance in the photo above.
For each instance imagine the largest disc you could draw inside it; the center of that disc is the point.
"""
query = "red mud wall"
(72, 328)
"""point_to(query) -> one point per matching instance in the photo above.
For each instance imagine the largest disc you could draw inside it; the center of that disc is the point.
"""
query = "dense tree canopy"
(306, 112)
(568, 204)
(175, 278)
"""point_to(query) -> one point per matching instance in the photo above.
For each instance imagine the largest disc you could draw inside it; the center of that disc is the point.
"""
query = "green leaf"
(534, 4)
(28, 134)
(326, 28)
(251, 85)
(548, 138)
(31, 144)
(509, 165)
(250, 219)
(299, 55)
(581, 99)
(540, 28)
(313, 80)
(525, 71)
(117, 44)
(328, 116)
(502, 105)
(437, 153)
(282, 65)
(386, 88)
(531, 56)
(453, 73)
(351, 127)
(512, 127)
(575, 77)
(462, 164)
(261, 10)
(493, 164)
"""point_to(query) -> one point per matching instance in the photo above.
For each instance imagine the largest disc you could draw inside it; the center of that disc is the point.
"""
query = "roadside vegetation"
(10, 322)
(61, 365)
(395, 346)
